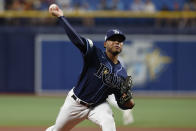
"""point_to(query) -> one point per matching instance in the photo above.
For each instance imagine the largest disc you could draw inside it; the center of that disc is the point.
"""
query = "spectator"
(85, 7)
(41, 4)
(103, 5)
(186, 21)
(149, 7)
(20, 5)
(64, 4)
(87, 21)
(163, 22)
(2, 5)
(17, 5)
(175, 21)
(37, 4)
(192, 4)
(77, 6)
(2, 8)
(137, 5)
(193, 8)
(7, 4)
(28, 4)
(117, 5)
(176, 6)
(165, 8)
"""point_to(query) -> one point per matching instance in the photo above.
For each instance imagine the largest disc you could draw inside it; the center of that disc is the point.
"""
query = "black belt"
(81, 102)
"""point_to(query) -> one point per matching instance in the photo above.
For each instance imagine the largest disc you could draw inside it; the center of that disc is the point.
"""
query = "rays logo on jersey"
(144, 61)
(109, 79)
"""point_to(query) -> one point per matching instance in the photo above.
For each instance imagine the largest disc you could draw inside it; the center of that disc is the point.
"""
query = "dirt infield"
(96, 129)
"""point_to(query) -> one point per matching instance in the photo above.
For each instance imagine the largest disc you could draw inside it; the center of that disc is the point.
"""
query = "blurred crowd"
(149, 6)
(133, 5)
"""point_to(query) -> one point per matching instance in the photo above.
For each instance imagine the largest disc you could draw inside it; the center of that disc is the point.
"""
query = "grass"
(149, 112)
(165, 113)
(28, 110)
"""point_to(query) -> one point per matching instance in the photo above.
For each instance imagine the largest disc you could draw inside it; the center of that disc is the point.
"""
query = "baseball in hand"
(53, 7)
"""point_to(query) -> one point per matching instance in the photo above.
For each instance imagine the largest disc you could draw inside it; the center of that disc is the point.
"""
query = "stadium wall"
(17, 61)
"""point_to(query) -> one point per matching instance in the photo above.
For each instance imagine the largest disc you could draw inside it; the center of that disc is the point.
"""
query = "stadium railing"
(100, 14)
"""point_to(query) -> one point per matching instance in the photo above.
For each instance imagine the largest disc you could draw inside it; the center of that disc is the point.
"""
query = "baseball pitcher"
(102, 75)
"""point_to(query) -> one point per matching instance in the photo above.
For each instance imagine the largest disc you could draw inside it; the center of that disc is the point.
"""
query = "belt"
(82, 102)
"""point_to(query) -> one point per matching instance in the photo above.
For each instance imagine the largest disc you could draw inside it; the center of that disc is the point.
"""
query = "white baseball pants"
(71, 113)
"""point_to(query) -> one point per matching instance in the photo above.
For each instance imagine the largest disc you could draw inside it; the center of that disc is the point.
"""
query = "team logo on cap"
(116, 32)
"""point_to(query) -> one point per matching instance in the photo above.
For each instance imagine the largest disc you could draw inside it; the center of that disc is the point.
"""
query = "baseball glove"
(125, 90)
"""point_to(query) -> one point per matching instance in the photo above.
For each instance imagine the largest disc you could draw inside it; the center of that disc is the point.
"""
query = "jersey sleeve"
(89, 46)
(76, 39)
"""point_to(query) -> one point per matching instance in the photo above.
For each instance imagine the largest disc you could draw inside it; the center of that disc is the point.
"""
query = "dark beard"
(115, 53)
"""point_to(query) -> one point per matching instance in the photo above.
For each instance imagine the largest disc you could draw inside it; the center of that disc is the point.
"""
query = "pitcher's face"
(114, 46)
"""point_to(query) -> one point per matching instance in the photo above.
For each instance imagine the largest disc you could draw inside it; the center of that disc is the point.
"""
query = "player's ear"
(104, 44)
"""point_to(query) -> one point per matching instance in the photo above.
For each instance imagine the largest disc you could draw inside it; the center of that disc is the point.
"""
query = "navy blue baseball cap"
(115, 33)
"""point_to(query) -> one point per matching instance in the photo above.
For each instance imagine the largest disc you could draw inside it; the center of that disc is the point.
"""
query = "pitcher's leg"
(127, 114)
(67, 119)
(50, 128)
(102, 115)
(127, 117)
(71, 113)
